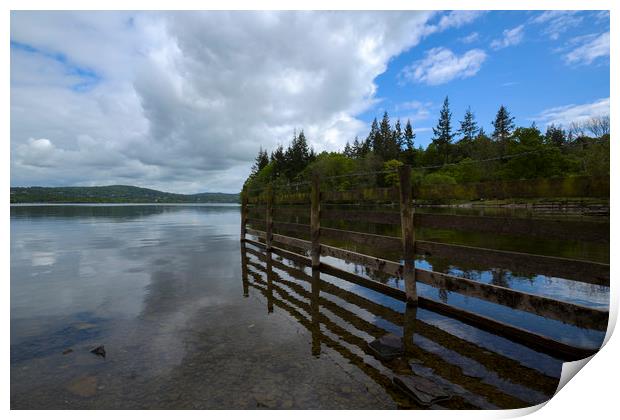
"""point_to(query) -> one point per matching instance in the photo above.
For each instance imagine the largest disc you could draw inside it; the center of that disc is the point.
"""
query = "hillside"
(112, 194)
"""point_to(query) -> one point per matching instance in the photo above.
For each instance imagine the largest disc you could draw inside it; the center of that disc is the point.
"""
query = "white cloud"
(182, 101)
(510, 37)
(557, 21)
(440, 65)
(458, 18)
(472, 37)
(413, 111)
(564, 115)
(588, 49)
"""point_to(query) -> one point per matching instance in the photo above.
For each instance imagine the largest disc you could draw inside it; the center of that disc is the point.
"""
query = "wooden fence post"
(269, 218)
(406, 221)
(315, 221)
(244, 212)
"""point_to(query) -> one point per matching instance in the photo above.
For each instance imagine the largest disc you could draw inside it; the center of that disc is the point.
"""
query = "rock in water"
(67, 351)
(85, 386)
(99, 351)
(387, 347)
(424, 391)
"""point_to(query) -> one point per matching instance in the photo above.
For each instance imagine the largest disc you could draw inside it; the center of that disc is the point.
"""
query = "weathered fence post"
(269, 218)
(315, 220)
(406, 221)
(244, 212)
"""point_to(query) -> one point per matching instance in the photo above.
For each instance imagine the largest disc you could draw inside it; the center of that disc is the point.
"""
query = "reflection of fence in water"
(310, 208)
(482, 377)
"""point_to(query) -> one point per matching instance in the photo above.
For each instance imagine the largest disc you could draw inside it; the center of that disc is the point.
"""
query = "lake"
(189, 318)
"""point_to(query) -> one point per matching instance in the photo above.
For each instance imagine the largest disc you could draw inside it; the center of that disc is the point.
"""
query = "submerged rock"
(85, 386)
(99, 351)
(424, 391)
(67, 351)
(388, 347)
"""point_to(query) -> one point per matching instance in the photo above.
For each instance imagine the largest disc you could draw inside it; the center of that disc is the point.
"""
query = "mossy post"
(315, 220)
(408, 233)
(244, 212)
(269, 217)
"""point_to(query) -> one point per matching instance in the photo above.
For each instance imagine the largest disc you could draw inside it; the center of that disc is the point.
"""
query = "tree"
(298, 155)
(373, 135)
(260, 162)
(278, 159)
(598, 126)
(503, 124)
(398, 136)
(443, 132)
(348, 151)
(555, 136)
(469, 127)
(409, 136)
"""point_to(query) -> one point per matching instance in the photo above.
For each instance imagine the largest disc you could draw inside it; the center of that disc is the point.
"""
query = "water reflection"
(341, 319)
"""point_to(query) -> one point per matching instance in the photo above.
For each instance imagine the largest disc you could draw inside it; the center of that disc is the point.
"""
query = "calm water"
(189, 319)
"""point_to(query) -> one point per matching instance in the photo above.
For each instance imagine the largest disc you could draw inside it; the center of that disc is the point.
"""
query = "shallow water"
(189, 319)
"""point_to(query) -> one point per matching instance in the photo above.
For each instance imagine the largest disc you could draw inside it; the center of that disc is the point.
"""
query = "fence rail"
(316, 240)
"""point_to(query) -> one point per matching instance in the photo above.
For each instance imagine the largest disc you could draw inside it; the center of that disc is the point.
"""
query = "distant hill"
(112, 194)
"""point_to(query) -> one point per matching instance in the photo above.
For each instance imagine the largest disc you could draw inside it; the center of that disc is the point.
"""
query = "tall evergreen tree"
(409, 136)
(348, 150)
(503, 125)
(372, 139)
(443, 132)
(398, 136)
(261, 161)
(469, 127)
(357, 148)
(278, 159)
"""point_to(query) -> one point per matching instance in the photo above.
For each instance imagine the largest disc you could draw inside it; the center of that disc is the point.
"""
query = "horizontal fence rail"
(292, 219)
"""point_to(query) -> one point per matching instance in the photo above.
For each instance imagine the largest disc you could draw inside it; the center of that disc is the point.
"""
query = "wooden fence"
(314, 239)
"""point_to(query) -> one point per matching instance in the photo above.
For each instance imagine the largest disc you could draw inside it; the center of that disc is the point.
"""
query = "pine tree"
(372, 139)
(261, 161)
(348, 150)
(398, 136)
(503, 124)
(298, 155)
(443, 132)
(357, 148)
(409, 136)
(278, 159)
(469, 127)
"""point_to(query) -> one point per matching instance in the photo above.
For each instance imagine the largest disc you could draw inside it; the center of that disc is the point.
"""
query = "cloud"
(472, 37)
(183, 101)
(510, 37)
(557, 21)
(458, 18)
(440, 65)
(588, 48)
(564, 115)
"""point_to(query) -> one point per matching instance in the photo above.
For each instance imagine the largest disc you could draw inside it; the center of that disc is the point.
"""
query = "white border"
(593, 394)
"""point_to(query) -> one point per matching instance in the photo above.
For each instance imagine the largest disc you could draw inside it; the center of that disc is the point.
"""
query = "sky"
(182, 101)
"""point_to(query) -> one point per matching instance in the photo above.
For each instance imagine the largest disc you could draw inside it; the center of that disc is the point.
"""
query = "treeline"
(112, 194)
(460, 154)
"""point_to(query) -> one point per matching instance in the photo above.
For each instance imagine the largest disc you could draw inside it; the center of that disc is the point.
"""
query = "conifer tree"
(503, 125)
(261, 161)
(443, 132)
(469, 127)
(409, 136)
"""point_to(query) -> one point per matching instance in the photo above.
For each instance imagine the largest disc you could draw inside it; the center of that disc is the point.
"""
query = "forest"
(461, 153)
